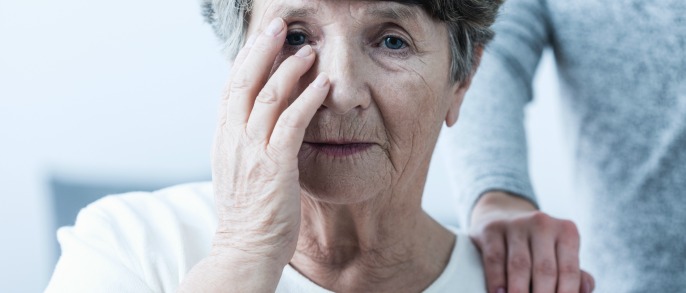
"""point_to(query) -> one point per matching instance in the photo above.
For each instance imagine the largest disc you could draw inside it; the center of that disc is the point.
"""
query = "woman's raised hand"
(255, 164)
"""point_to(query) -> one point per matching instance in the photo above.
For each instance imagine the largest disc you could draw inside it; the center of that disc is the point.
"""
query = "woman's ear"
(460, 89)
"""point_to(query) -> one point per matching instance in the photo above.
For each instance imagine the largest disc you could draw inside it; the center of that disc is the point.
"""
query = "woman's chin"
(344, 176)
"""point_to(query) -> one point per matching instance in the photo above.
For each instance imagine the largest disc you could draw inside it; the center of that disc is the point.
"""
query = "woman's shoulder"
(464, 271)
(181, 215)
(150, 238)
(197, 192)
(180, 208)
(185, 202)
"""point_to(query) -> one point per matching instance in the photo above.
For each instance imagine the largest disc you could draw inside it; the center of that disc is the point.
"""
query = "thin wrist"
(500, 202)
(250, 250)
(236, 257)
(219, 271)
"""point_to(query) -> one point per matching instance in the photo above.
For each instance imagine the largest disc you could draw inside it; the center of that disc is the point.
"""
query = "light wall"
(127, 91)
(102, 91)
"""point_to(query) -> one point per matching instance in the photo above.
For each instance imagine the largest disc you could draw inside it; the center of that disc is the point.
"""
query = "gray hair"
(468, 23)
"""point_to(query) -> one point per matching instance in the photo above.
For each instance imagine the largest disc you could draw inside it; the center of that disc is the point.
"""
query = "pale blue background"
(124, 92)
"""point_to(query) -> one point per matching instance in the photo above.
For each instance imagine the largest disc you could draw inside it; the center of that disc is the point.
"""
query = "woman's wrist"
(244, 250)
(224, 270)
(254, 258)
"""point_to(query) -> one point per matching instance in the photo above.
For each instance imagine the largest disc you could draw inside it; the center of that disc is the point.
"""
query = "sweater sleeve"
(488, 149)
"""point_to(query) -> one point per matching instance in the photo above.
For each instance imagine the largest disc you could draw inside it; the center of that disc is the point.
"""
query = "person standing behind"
(622, 70)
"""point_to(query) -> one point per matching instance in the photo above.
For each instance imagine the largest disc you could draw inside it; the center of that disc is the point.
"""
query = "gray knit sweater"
(622, 69)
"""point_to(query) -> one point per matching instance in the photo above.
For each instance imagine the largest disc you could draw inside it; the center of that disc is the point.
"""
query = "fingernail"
(587, 287)
(304, 51)
(251, 41)
(321, 81)
(500, 290)
(274, 27)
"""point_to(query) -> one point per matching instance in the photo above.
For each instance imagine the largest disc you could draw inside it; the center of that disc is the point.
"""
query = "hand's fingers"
(494, 257)
(587, 282)
(274, 96)
(289, 132)
(544, 259)
(242, 54)
(569, 273)
(518, 262)
(240, 58)
(253, 72)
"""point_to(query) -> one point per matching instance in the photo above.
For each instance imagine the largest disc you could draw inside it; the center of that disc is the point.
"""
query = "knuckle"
(494, 226)
(569, 228)
(274, 155)
(523, 221)
(242, 53)
(222, 121)
(239, 84)
(251, 138)
(541, 219)
(494, 257)
(254, 140)
(287, 121)
(290, 119)
(519, 262)
(546, 268)
(569, 235)
(268, 96)
(569, 269)
(226, 93)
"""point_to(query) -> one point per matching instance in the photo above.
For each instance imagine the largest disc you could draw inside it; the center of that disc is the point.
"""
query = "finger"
(494, 257)
(240, 58)
(290, 128)
(252, 73)
(518, 262)
(587, 282)
(273, 98)
(242, 55)
(567, 251)
(544, 260)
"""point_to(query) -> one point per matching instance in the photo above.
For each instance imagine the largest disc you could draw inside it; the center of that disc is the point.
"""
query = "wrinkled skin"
(340, 220)
(273, 199)
(394, 100)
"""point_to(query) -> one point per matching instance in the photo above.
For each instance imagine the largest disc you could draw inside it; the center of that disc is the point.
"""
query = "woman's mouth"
(342, 149)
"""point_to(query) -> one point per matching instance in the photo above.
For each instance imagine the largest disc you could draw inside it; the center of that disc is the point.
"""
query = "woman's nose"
(345, 67)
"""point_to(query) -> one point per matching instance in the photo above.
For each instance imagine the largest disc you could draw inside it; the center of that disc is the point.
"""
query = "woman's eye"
(394, 43)
(296, 39)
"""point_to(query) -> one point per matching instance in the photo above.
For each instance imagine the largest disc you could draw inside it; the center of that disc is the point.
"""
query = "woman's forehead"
(358, 9)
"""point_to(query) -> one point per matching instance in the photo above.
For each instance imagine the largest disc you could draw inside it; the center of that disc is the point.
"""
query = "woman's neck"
(371, 246)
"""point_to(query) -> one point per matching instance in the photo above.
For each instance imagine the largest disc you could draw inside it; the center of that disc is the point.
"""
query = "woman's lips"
(340, 149)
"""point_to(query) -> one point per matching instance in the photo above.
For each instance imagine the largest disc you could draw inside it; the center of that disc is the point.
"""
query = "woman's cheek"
(400, 101)
(389, 63)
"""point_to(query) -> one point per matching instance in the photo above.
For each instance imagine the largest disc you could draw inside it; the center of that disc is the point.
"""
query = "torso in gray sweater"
(622, 68)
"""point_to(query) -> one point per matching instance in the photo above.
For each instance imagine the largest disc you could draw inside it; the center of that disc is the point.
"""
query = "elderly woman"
(321, 154)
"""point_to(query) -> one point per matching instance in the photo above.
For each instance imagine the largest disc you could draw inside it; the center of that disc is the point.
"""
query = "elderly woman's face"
(390, 92)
